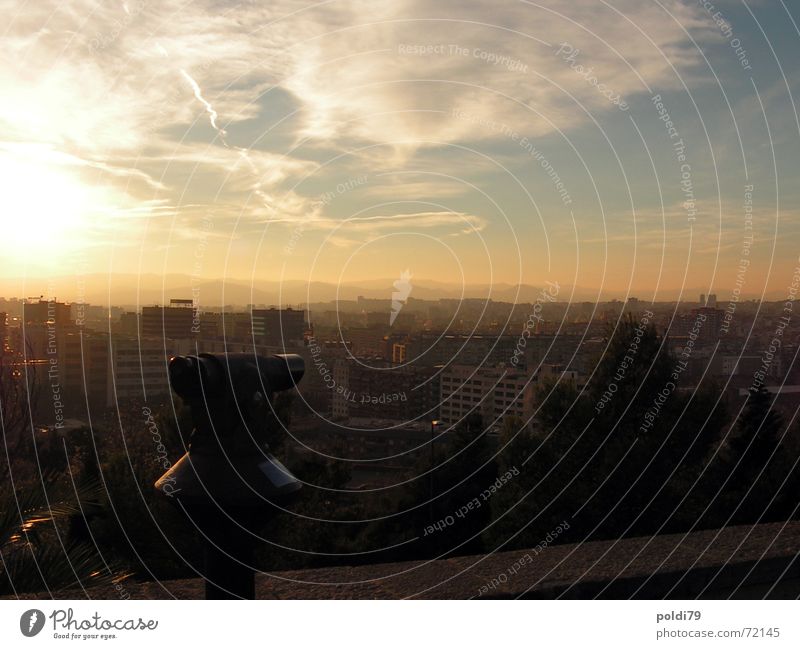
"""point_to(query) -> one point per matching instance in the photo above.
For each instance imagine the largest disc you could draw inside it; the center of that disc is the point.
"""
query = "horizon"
(182, 286)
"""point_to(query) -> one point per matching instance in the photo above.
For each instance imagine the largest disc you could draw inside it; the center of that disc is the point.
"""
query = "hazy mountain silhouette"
(146, 289)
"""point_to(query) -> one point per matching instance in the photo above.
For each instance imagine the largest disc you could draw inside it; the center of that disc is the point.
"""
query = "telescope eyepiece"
(210, 375)
(196, 376)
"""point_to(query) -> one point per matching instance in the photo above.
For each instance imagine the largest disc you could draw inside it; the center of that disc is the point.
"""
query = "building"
(575, 352)
(46, 312)
(83, 364)
(42, 324)
(431, 348)
(176, 321)
(704, 324)
(138, 368)
(490, 392)
(341, 380)
(398, 353)
(90, 315)
(315, 392)
(368, 341)
(367, 389)
(494, 393)
(749, 365)
(128, 323)
(12, 307)
(283, 327)
(212, 326)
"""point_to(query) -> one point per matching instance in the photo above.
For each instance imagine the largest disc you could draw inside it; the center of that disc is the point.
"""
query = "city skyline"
(129, 291)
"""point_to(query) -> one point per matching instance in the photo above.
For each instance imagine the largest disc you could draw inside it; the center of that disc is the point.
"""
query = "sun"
(45, 209)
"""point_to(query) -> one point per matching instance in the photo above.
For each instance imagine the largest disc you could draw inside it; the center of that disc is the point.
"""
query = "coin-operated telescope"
(228, 483)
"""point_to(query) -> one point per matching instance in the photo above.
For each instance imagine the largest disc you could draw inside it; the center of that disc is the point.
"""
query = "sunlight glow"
(45, 208)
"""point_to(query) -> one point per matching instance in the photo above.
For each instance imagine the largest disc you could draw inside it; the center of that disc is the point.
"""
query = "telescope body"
(229, 463)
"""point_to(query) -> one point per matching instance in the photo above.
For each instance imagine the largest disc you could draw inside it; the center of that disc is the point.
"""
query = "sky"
(627, 147)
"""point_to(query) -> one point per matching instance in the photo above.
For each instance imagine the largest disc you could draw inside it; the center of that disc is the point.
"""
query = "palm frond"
(50, 567)
(24, 511)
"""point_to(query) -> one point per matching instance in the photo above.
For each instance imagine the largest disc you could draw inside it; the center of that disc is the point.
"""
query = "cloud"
(422, 220)
(128, 89)
(358, 69)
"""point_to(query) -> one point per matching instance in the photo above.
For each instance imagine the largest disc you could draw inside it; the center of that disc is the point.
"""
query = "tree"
(757, 435)
(617, 455)
(463, 481)
(762, 482)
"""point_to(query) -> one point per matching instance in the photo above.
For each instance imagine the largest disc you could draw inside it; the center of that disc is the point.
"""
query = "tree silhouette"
(762, 478)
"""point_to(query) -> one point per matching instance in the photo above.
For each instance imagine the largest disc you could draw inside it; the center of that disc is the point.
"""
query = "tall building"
(710, 301)
(138, 368)
(129, 323)
(178, 321)
(212, 326)
(43, 323)
(283, 327)
(46, 311)
(83, 364)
